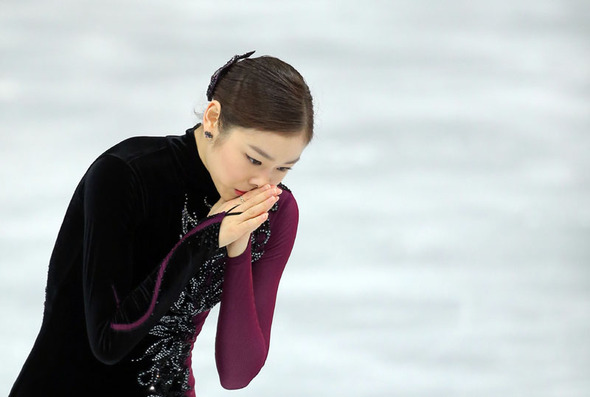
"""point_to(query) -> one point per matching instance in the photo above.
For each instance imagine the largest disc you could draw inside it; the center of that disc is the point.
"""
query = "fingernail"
(280, 190)
(266, 187)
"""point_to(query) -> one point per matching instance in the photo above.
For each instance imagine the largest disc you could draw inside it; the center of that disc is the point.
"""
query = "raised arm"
(118, 313)
(248, 300)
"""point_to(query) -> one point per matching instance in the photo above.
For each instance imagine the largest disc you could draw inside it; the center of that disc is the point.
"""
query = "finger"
(260, 197)
(241, 200)
(262, 207)
(228, 206)
(252, 224)
(254, 192)
(232, 212)
(251, 210)
(232, 227)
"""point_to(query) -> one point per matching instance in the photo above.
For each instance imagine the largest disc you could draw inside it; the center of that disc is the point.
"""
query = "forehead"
(282, 147)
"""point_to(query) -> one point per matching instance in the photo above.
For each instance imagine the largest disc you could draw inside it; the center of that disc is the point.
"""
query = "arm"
(118, 313)
(248, 301)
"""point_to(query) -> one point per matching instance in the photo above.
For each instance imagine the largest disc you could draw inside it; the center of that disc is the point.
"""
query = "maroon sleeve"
(248, 300)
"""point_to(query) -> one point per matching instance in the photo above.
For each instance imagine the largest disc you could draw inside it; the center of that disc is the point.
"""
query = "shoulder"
(286, 209)
(283, 221)
(137, 155)
(109, 174)
(135, 148)
(287, 199)
(120, 167)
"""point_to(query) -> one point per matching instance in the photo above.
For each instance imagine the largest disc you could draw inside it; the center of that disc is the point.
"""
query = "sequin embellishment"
(168, 373)
(189, 219)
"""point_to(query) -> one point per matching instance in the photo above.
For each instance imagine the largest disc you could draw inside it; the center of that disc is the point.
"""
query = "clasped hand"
(249, 212)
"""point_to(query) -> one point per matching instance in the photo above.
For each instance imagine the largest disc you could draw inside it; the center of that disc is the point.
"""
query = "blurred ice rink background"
(444, 244)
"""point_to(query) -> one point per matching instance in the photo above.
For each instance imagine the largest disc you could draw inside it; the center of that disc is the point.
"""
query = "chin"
(227, 195)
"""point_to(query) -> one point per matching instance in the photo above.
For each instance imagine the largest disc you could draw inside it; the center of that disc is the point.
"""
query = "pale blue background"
(445, 213)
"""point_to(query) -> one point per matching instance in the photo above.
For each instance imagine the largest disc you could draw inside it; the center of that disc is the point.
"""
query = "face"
(245, 159)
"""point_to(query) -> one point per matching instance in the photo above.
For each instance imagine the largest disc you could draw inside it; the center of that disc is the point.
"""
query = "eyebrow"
(268, 157)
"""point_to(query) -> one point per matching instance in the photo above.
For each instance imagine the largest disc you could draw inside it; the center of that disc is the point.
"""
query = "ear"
(211, 117)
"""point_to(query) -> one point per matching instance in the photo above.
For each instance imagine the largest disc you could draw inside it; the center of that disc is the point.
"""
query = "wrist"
(238, 247)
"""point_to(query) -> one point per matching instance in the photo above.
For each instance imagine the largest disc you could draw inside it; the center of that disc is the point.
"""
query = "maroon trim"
(116, 296)
(150, 310)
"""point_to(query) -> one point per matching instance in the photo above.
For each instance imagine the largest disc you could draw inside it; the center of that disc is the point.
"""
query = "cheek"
(233, 168)
(277, 178)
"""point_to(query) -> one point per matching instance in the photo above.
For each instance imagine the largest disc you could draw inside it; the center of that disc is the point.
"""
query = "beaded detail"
(168, 373)
(189, 219)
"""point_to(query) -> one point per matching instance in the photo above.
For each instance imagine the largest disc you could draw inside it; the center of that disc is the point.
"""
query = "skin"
(250, 161)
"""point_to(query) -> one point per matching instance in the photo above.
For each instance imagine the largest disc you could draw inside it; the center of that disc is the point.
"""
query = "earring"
(208, 135)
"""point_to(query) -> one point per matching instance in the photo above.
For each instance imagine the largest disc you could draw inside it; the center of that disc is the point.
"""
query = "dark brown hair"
(266, 94)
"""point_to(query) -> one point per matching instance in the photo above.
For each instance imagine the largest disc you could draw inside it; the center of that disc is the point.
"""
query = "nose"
(260, 179)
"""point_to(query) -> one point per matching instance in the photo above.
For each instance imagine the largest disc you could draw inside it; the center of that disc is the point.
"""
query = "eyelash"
(256, 162)
(253, 161)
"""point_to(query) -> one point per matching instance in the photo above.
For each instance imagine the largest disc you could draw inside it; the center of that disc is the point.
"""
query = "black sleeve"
(117, 323)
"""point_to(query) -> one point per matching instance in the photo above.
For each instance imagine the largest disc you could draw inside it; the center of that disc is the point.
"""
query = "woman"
(159, 230)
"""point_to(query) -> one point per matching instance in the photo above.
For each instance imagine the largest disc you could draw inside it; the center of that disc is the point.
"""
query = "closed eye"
(257, 162)
(253, 161)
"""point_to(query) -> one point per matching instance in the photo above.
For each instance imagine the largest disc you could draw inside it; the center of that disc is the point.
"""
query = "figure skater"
(160, 230)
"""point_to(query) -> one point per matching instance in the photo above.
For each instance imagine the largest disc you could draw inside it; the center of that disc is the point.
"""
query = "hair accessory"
(223, 70)
(208, 135)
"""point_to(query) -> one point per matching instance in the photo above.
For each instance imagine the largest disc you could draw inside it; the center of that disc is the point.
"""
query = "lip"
(239, 192)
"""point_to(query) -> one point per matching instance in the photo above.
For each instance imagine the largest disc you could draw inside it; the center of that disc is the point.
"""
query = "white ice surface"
(445, 202)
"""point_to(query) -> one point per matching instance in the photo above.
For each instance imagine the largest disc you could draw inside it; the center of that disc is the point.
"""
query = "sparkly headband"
(222, 71)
